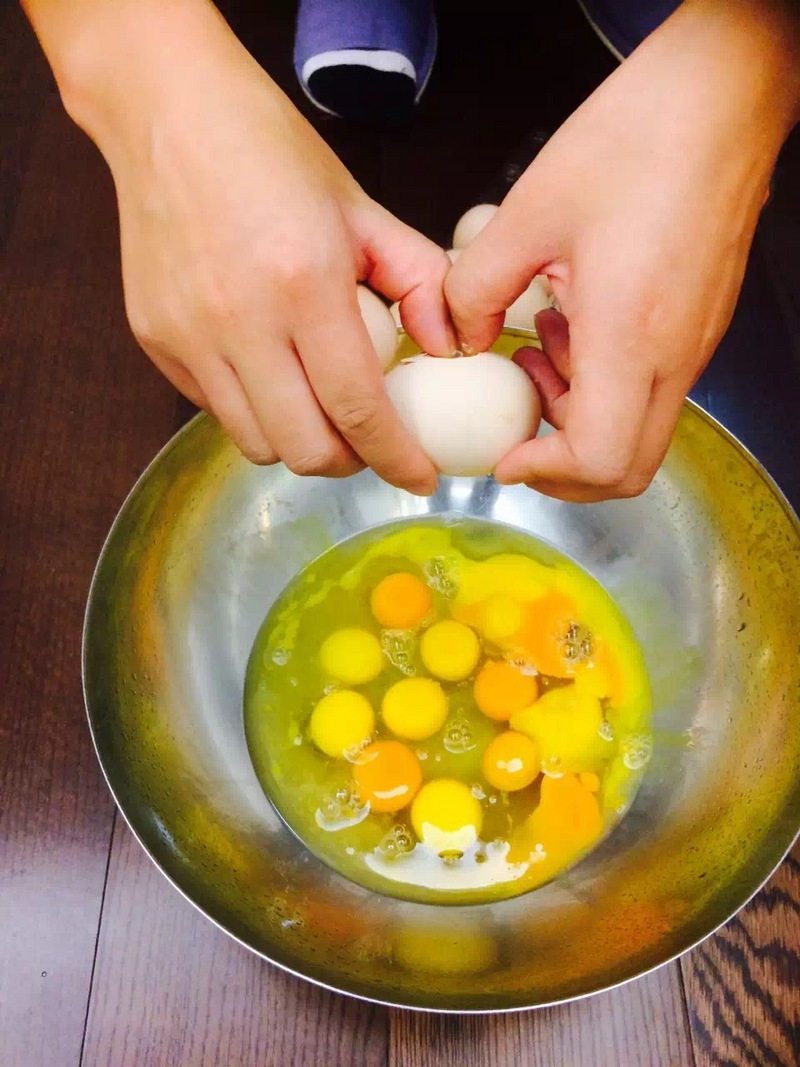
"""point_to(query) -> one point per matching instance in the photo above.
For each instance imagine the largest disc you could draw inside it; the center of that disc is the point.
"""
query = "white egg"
(536, 297)
(471, 223)
(466, 412)
(380, 324)
(453, 253)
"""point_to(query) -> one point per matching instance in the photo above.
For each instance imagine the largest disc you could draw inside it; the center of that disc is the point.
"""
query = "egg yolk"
(414, 708)
(567, 811)
(450, 650)
(446, 816)
(510, 761)
(566, 821)
(387, 774)
(352, 656)
(543, 634)
(500, 618)
(589, 780)
(501, 690)
(401, 601)
(566, 725)
(341, 721)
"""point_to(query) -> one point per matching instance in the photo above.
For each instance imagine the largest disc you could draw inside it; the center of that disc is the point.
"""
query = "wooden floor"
(102, 963)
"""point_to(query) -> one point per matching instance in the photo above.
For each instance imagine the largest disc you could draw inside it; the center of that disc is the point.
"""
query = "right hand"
(243, 237)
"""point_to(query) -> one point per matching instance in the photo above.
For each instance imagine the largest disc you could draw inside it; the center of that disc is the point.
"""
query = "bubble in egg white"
(471, 223)
(380, 324)
(468, 412)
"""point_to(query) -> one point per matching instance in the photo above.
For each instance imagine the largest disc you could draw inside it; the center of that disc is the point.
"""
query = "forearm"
(119, 62)
(750, 51)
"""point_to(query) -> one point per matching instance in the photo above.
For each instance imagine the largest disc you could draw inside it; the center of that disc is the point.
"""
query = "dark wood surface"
(102, 963)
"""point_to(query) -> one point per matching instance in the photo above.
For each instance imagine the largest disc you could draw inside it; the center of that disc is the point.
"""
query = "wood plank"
(642, 1024)
(742, 984)
(25, 83)
(81, 414)
(170, 988)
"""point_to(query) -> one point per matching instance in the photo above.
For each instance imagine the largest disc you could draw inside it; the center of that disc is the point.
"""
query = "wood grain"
(643, 1024)
(81, 415)
(170, 988)
(743, 984)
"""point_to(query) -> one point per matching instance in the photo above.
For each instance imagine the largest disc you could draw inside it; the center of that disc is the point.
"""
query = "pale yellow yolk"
(341, 722)
(501, 617)
(450, 650)
(566, 725)
(414, 708)
(352, 656)
(446, 816)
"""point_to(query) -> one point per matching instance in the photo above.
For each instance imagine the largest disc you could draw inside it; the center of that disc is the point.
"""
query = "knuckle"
(258, 452)
(144, 330)
(634, 485)
(325, 460)
(357, 416)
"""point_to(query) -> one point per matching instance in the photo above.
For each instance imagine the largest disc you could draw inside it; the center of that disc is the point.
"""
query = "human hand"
(243, 237)
(641, 210)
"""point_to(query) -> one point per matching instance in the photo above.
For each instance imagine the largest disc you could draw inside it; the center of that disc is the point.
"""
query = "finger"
(288, 412)
(492, 272)
(183, 380)
(338, 358)
(603, 423)
(666, 404)
(552, 329)
(407, 267)
(228, 402)
(553, 390)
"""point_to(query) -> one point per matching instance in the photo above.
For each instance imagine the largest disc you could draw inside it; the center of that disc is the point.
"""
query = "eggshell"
(394, 311)
(465, 412)
(380, 324)
(536, 297)
(471, 223)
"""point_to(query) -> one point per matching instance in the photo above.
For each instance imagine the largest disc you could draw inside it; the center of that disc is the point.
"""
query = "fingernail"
(425, 488)
(467, 349)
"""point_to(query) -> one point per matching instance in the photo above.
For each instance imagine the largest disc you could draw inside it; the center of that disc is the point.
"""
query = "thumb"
(409, 268)
(493, 271)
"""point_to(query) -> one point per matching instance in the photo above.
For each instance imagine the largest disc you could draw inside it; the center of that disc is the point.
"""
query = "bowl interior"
(705, 565)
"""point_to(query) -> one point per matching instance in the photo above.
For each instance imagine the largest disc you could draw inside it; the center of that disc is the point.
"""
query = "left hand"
(641, 210)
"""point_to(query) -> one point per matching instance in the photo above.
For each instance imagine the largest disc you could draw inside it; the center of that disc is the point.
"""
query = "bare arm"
(243, 236)
(641, 209)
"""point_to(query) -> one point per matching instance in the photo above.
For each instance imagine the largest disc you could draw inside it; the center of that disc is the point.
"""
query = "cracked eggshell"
(465, 412)
(380, 324)
(471, 223)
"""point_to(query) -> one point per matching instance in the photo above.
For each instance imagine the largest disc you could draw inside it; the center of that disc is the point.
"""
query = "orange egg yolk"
(401, 601)
(543, 634)
(388, 775)
(510, 761)
(501, 690)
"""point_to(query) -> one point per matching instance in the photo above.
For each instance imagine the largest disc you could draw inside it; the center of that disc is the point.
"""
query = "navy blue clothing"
(626, 23)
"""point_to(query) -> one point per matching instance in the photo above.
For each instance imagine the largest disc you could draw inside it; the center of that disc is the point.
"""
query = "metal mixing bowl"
(705, 564)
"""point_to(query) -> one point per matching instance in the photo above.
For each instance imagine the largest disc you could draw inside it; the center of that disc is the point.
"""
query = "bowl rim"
(174, 440)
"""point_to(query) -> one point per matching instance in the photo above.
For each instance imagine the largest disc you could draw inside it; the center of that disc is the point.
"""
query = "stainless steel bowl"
(707, 567)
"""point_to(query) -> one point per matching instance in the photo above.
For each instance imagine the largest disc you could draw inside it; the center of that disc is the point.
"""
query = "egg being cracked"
(465, 412)
(380, 324)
